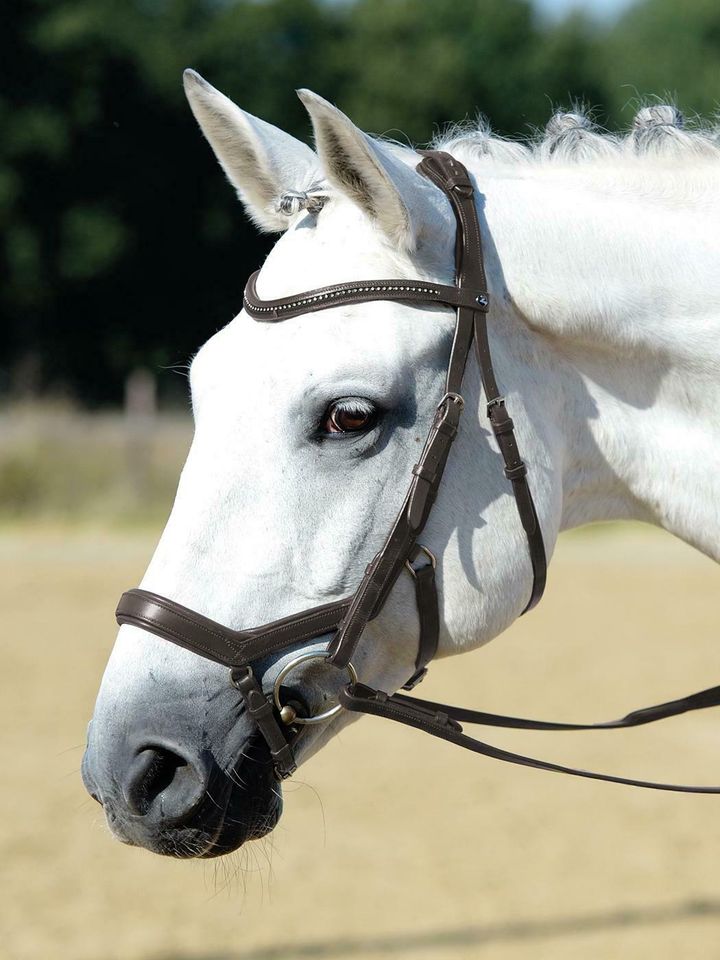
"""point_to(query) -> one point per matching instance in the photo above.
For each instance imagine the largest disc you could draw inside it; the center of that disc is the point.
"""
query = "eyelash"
(352, 407)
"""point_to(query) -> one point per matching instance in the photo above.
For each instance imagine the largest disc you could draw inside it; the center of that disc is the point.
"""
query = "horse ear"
(364, 170)
(259, 160)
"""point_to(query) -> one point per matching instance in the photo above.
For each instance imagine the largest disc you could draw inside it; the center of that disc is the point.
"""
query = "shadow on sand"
(476, 936)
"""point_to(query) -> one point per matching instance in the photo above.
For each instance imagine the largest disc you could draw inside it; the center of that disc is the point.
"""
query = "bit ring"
(289, 667)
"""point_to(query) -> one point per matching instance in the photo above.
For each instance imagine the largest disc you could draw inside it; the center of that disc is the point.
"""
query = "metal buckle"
(454, 397)
(416, 678)
(424, 551)
(460, 182)
(289, 716)
(495, 402)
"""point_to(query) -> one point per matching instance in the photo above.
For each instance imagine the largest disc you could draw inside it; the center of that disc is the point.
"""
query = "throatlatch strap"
(452, 178)
(442, 721)
(515, 469)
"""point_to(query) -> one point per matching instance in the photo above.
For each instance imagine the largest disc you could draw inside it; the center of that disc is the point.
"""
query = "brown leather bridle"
(280, 724)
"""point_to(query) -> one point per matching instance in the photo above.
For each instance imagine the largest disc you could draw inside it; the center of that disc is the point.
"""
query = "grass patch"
(59, 463)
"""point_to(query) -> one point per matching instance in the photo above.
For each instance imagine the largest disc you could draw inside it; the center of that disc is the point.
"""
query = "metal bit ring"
(288, 668)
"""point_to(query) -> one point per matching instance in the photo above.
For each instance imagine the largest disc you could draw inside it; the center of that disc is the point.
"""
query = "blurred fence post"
(140, 418)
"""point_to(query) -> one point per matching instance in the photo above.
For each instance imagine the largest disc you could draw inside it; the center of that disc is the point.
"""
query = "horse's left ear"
(364, 170)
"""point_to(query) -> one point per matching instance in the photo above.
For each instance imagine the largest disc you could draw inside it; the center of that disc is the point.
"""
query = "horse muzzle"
(173, 800)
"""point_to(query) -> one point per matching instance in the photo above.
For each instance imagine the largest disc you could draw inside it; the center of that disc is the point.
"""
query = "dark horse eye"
(349, 416)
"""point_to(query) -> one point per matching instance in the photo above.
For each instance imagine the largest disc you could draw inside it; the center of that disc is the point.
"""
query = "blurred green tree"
(409, 67)
(122, 245)
(666, 49)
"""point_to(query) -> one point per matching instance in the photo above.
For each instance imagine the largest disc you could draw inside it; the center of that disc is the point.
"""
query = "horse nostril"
(163, 784)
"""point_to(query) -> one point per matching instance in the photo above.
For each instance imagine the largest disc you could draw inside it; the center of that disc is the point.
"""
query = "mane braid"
(658, 132)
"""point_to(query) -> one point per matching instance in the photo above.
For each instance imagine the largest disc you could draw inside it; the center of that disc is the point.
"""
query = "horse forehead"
(372, 338)
(342, 245)
(366, 343)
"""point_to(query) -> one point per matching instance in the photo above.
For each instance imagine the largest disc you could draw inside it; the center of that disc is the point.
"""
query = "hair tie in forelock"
(293, 201)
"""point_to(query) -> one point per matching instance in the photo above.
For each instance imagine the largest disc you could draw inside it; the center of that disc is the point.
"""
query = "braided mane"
(659, 131)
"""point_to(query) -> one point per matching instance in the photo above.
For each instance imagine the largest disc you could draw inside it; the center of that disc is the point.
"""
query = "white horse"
(602, 259)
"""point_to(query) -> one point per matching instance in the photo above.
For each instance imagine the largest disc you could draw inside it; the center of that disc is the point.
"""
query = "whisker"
(78, 746)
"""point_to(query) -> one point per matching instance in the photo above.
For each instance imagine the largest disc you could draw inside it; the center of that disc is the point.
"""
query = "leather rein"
(281, 723)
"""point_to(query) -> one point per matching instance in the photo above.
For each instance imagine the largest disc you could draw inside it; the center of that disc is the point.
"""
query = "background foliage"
(121, 243)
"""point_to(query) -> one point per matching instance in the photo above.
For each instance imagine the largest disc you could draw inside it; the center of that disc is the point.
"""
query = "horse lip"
(230, 832)
(222, 843)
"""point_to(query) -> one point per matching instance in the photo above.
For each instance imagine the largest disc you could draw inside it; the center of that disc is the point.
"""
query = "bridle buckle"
(450, 397)
(495, 402)
(416, 678)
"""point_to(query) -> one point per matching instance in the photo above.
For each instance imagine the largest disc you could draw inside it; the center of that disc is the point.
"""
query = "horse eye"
(349, 416)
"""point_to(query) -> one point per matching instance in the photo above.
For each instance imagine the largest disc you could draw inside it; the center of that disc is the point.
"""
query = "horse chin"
(240, 823)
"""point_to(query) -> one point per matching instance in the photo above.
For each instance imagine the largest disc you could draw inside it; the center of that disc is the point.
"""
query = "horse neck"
(613, 274)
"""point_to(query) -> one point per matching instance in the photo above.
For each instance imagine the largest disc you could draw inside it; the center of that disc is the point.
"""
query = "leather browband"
(408, 291)
(348, 617)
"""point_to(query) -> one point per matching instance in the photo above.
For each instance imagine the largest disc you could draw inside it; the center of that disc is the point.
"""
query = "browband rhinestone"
(257, 307)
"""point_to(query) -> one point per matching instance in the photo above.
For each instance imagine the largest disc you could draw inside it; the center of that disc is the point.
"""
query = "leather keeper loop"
(258, 706)
(516, 473)
(424, 472)
(284, 761)
(502, 426)
(447, 429)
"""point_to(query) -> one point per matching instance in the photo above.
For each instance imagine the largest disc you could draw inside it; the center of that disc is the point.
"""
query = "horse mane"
(659, 131)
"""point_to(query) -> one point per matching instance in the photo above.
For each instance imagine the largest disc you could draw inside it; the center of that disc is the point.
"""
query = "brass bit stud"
(288, 714)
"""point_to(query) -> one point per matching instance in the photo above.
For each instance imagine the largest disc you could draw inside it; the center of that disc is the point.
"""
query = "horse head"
(306, 433)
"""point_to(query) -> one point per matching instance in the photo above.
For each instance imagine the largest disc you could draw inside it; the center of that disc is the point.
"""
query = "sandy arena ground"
(392, 846)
